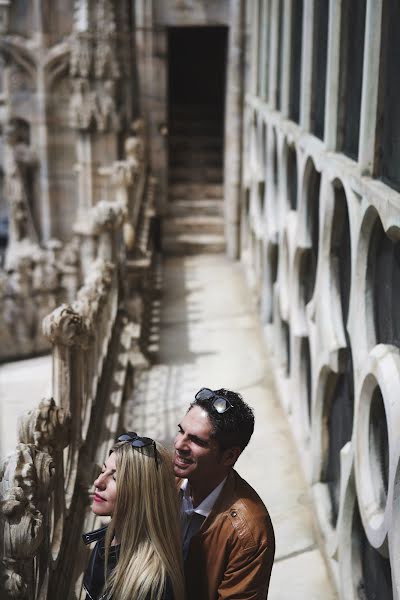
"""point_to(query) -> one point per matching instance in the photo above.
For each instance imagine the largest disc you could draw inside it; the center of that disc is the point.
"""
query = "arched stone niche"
(261, 198)
(394, 531)
(253, 147)
(383, 282)
(270, 275)
(336, 394)
(305, 385)
(306, 257)
(284, 276)
(259, 269)
(272, 184)
(340, 250)
(286, 346)
(264, 142)
(275, 167)
(312, 183)
(372, 577)
(338, 419)
(374, 316)
(245, 221)
(4, 220)
(291, 177)
(260, 147)
(376, 431)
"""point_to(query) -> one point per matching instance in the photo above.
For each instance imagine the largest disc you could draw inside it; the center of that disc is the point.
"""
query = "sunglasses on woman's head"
(144, 445)
(220, 403)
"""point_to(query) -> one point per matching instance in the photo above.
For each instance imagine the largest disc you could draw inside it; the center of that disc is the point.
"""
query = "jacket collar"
(94, 536)
(223, 502)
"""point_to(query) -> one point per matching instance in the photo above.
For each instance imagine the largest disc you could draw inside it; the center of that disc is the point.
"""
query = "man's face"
(197, 455)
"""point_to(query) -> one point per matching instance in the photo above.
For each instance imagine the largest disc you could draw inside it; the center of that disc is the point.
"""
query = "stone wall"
(320, 229)
(66, 109)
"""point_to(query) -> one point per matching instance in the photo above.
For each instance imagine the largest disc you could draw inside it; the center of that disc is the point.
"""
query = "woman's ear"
(231, 455)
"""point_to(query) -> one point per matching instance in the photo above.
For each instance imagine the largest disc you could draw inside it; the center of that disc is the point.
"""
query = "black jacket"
(93, 579)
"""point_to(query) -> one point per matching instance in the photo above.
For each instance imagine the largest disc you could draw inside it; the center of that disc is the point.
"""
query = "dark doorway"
(196, 96)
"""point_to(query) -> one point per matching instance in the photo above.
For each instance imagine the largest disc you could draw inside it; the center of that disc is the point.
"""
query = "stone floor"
(206, 333)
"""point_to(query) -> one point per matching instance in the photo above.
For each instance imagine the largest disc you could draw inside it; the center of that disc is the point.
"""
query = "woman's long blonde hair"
(146, 525)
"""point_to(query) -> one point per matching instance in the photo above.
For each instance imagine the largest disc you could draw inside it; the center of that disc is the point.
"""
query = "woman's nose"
(100, 481)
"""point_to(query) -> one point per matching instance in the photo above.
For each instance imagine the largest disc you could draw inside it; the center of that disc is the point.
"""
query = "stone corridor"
(205, 332)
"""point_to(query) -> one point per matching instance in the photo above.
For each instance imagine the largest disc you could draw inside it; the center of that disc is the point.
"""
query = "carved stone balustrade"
(32, 508)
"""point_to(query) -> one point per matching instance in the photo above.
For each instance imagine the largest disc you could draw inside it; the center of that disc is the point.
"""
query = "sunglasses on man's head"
(220, 403)
(145, 445)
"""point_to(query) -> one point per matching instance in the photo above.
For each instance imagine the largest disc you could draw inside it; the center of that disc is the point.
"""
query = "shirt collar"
(206, 506)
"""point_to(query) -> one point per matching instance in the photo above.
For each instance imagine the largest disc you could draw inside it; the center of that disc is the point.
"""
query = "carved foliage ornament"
(25, 483)
(66, 327)
(46, 427)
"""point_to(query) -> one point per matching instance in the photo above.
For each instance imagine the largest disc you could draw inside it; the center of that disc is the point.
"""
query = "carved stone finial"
(46, 427)
(65, 326)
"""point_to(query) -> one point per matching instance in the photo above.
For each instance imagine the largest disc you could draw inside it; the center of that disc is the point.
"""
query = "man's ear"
(231, 455)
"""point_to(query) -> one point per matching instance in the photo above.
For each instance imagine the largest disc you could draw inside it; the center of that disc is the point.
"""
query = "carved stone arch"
(373, 314)
(275, 161)
(363, 570)
(307, 237)
(394, 531)
(253, 155)
(383, 281)
(272, 183)
(291, 183)
(57, 64)
(260, 147)
(4, 220)
(376, 443)
(245, 221)
(270, 274)
(301, 384)
(264, 147)
(16, 51)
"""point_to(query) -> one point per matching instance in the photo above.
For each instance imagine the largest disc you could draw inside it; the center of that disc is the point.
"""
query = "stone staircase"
(194, 223)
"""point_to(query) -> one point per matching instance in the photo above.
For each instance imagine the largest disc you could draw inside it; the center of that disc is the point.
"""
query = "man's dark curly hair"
(235, 426)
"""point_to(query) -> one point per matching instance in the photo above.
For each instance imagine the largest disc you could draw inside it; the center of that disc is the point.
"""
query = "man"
(228, 538)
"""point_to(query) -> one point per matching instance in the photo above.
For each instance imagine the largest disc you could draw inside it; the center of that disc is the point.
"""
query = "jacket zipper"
(90, 596)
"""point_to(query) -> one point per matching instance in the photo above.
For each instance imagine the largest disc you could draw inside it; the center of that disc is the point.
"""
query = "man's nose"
(181, 443)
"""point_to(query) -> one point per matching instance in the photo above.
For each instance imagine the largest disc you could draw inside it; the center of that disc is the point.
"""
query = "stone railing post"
(69, 335)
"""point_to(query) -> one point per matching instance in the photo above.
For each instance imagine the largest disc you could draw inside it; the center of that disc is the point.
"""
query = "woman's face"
(105, 489)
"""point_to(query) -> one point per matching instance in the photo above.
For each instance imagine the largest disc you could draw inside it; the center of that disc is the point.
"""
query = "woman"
(138, 556)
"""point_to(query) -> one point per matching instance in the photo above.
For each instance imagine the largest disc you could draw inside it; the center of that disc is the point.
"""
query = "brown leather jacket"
(231, 556)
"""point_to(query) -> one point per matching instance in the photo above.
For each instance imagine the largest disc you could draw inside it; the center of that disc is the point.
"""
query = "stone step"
(195, 128)
(196, 174)
(196, 207)
(196, 157)
(196, 191)
(198, 143)
(179, 245)
(200, 110)
(193, 225)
